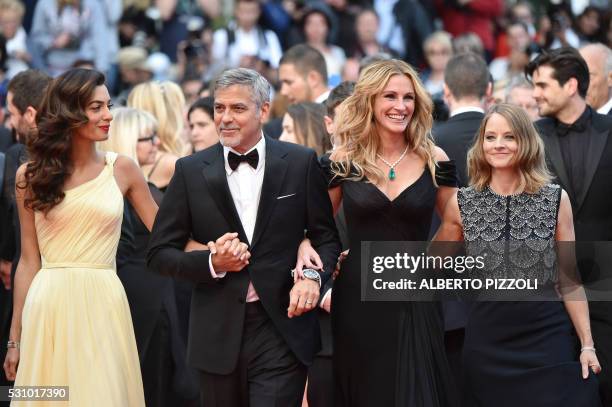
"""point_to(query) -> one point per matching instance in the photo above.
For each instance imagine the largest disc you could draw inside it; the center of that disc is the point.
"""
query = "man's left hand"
(304, 296)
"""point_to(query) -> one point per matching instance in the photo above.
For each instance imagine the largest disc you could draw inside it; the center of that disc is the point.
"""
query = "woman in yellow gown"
(71, 321)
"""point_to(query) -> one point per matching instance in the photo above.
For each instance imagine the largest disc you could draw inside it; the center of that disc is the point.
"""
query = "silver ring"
(308, 302)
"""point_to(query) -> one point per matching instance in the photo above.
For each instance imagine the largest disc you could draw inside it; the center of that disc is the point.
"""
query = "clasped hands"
(228, 253)
(231, 255)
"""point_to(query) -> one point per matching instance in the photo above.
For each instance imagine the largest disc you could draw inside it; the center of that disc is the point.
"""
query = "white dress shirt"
(322, 97)
(466, 109)
(245, 186)
(605, 108)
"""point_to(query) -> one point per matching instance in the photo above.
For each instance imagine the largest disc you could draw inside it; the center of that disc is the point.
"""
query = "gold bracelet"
(12, 344)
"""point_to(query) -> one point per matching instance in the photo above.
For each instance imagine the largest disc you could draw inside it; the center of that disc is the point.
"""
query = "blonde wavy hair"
(529, 160)
(127, 127)
(165, 101)
(356, 139)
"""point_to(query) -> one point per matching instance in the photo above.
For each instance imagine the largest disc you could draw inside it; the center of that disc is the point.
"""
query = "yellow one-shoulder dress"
(76, 324)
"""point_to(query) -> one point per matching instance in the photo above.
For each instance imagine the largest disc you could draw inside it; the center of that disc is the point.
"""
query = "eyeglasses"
(152, 138)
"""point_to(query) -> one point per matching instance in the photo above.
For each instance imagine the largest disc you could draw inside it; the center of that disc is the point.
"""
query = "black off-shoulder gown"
(387, 353)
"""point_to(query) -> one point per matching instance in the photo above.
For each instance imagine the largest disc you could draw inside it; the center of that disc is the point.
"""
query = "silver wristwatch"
(312, 275)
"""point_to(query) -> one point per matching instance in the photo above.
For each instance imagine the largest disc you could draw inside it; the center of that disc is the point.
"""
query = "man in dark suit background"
(6, 139)
(578, 144)
(252, 197)
(303, 76)
(466, 85)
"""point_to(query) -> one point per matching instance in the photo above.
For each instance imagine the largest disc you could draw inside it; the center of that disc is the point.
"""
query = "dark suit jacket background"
(456, 136)
(6, 139)
(592, 213)
(198, 204)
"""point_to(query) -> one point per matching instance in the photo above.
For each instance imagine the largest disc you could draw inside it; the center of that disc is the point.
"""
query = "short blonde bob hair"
(165, 101)
(530, 159)
(356, 138)
(127, 127)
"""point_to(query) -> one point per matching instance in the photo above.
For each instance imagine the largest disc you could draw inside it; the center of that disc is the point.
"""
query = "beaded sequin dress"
(519, 353)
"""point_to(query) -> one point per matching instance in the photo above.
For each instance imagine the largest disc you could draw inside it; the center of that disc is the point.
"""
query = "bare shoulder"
(168, 164)
(169, 159)
(564, 197)
(20, 176)
(124, 165)
(126, 172)
(565, 206)
(20, 182)
(440, 155)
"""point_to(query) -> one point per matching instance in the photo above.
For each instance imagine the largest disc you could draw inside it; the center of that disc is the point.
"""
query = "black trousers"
(157, 367)
(267, 373)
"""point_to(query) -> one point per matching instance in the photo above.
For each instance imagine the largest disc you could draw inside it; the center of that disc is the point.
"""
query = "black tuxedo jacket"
(6, 139)
(592, 215)
(198, 204)
(455, 137)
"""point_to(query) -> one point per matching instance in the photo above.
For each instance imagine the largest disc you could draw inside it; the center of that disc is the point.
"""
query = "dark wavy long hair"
(61, 113)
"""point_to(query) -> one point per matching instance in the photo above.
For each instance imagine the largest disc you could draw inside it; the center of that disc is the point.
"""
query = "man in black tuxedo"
(251, 198)
(466, 85)
(578, 144)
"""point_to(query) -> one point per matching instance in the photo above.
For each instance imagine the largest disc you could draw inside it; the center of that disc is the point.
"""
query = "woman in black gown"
(520, 353)
(165, 375)
(389, 176)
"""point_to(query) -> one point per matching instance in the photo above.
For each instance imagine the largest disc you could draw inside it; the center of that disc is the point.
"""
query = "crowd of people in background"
(551, 61)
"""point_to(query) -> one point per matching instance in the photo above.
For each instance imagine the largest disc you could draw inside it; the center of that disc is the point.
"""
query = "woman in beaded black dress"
(389, 176)
(520, 353)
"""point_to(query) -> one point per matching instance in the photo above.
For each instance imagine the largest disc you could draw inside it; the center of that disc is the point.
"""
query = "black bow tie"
(579, 126)
(576, 127)
(251, 158)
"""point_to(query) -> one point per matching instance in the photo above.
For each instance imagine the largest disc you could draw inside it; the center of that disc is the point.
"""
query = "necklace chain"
(392, 166)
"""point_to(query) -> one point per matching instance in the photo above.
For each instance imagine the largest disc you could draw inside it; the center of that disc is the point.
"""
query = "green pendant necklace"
(392, 166)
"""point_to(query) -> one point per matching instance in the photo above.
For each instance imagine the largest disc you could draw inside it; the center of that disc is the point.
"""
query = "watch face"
(310, 273)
